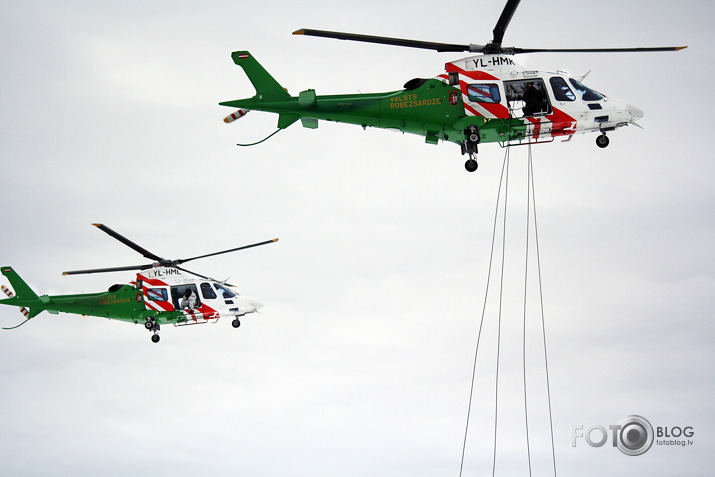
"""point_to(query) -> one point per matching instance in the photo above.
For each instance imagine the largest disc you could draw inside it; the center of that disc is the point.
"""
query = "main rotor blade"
(504, 20)
(427, 45)
(595, 50)
(111, 269)
(194, 273)
(225, 251)
(146, 253)
(203, 276)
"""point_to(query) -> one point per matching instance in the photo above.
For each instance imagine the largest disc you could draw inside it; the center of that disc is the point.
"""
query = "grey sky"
(361, 362)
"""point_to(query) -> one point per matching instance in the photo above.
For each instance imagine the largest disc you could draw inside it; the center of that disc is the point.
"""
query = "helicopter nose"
(634, 112)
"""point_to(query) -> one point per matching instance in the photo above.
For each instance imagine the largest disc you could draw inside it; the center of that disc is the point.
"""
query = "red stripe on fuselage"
(155, 282)
(562, 123)
(497, 110)
(537, 127)
(477, 75)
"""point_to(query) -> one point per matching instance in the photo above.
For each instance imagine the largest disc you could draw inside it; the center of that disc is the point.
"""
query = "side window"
(207, 291)
(484, 93)
(157, 294)
(586, 93)
(184, 295)
(561, 90)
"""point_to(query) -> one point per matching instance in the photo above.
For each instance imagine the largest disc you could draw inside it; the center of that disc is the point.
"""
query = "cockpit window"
(223, 291)
(561, 90)
(484, 93)
(207, 291)
(586, 93)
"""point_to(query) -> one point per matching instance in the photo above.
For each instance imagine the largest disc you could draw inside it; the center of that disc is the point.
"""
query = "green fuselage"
(427, 107)
(425, 110)
(120, 302)
(433, 110)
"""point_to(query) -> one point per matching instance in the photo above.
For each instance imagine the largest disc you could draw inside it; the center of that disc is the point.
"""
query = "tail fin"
(24, 296)
(23, 291)
(267, 88)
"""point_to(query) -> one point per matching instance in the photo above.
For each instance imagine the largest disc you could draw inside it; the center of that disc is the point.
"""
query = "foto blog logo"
(633, 435)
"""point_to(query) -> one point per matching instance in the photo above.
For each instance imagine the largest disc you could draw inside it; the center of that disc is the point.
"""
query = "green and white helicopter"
(162, 293)
(479, 99)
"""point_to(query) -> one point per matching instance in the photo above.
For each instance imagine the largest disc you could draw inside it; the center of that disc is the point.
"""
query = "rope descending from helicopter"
(531, 206)
(481, 322)
(502, 303)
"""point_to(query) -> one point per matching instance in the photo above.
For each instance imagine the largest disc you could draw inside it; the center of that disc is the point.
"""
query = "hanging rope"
(501, 298)
(484, 307)
(541, 304)
(531, 210)
(526, 283)
(258, 142)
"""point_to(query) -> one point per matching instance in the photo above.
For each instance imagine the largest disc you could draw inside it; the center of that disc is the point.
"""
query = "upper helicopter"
(163, 293)
(481, 98)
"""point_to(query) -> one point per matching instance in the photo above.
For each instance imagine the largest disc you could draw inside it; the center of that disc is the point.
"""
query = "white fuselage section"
(495, 87)
(168, 289)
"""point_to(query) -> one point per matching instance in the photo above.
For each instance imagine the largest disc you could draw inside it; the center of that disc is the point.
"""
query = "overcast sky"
(361, 362)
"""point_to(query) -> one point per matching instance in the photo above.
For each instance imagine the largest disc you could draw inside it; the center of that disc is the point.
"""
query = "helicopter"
(479, 99)
(162, 293)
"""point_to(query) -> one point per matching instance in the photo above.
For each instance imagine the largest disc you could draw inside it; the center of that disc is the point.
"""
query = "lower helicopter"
(162, 293)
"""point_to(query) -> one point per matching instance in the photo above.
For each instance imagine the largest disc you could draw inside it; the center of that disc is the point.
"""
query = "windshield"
(223, 291)
(586, 93)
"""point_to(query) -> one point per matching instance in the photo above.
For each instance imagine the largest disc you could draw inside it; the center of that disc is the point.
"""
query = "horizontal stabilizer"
(286, 119)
